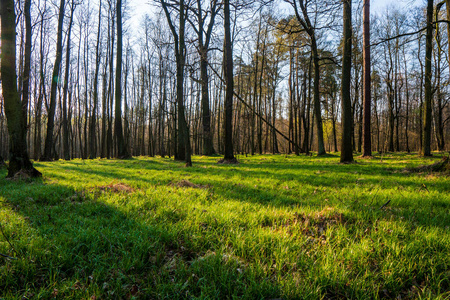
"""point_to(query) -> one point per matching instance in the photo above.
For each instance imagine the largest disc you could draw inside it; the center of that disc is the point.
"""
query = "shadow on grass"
(72, 240)
(72, 244)
(316, 185)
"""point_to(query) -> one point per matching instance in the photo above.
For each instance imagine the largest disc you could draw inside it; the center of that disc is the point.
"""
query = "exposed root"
(25, 174)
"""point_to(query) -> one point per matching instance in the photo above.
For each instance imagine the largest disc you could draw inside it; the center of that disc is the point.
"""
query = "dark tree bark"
(42, 91)
(16, 112)
(48, 148)
(92, 129)
(447, 6)
(183, 141)
(346, 143)
(122, 151)
(310, 30)
(66, 130)
(204, 41)
(367, 82)
(426, 143)
(27, 58)
(229, 82)
(407, 103)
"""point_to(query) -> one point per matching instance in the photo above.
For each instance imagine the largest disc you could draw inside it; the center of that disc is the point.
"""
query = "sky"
(378, 6)
(138, 8)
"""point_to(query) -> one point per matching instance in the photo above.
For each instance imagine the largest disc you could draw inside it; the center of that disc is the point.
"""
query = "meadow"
(270, 227)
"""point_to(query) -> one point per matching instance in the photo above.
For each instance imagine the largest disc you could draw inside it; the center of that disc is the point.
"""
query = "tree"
(347, 123)
(122, 151)
(15, 110)
(229, 82)
(426, 142)
(367, 81)
(204, 39)
(48, 148)
(92, 129)
(183, 143)
(305, 22)
(66, 86)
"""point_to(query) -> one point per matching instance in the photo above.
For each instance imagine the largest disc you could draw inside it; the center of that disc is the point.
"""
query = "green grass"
(271, 227)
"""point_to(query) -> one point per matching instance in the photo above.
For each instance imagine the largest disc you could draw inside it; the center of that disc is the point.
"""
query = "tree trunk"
(118, 130)
(183, 141)
(48, 148)
(426, 143)
(92, 129)
(310, 30)
(208, 148)
(66, 150)
(228, 69)
(367, 140)
(16, 115)
(346, 143)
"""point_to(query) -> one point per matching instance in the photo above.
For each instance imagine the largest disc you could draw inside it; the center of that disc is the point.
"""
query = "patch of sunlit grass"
(273, 226)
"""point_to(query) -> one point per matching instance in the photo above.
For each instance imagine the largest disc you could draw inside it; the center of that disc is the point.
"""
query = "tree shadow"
(73, 243)
(90, 245)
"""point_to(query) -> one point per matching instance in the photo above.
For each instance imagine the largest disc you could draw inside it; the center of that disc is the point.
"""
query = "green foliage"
(271, 227)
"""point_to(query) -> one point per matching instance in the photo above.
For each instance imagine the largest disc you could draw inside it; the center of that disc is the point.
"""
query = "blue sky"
(380, 5)
(138, 8)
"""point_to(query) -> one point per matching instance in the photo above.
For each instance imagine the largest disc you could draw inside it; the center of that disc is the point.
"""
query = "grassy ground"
(271, 227)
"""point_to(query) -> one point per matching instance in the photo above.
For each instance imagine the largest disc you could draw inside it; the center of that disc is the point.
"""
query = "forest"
(224, 149)
(170, 92)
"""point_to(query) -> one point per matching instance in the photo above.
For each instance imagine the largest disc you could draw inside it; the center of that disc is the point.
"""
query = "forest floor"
(271, 227)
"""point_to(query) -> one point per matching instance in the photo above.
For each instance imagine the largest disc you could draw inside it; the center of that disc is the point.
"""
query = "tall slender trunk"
(118, 130)
(229, 82)
(208, 148)
(48, 148)
(426, 143)
(66, 149)
(346, 143)
(310, 30)
(92, 127)
(367, 140)
(14, 109)
(183, 140)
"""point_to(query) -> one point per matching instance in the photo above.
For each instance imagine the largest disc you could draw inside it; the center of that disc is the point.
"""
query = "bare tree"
(367, 81)
(204, 39)
(15, 110)
(66, 130)
(48, 148)
(183, 142)
(92, 128)
(122, 151)
(229, 82)
(307, 25)
(346, 142)
(426, 142)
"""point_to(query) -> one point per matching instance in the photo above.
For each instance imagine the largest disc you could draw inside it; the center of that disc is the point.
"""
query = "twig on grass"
(384, 205)
(376, 192)
(6, 238)
(7, 256)
(423, 187)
